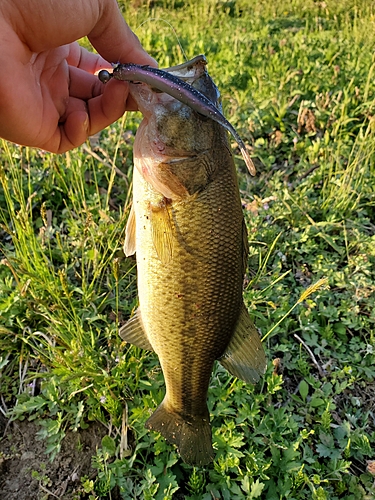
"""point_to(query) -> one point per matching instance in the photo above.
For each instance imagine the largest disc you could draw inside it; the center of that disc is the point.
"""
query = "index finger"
(116, 42)
(81, 58)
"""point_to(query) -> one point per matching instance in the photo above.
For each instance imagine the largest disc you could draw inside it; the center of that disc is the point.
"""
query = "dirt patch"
(22, 456)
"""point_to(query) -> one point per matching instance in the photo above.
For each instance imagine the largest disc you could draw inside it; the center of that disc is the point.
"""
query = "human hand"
(49, 95)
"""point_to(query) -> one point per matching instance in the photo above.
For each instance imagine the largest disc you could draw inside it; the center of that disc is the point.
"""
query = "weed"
(297, 83)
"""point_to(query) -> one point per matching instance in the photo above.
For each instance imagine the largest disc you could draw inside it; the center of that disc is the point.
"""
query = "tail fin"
(192, 436)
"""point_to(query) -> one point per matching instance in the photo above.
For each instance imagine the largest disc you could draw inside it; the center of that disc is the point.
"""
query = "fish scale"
(175, 298)
(190, 239)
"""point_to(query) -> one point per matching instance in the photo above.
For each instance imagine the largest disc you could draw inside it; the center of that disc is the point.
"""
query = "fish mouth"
(189, 70)
(188, 83)
(188, 65)
(195, 73)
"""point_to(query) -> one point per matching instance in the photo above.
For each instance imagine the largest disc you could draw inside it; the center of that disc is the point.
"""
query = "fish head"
(172, 133)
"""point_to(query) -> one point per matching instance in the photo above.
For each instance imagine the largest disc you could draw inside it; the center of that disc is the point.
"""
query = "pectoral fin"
(162, 231)
(244, 357)
(134, 333)
(129, 244)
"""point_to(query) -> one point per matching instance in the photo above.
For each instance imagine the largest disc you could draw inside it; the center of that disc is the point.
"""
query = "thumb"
(74, 131)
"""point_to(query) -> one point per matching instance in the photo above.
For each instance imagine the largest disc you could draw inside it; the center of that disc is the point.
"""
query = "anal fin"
(244, 357)
(134, 333)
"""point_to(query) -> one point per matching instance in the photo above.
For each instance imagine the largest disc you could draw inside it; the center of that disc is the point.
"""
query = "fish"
(187, 230)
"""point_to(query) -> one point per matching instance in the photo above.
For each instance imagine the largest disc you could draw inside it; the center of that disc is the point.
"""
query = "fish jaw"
(155, 160)
(172, 132)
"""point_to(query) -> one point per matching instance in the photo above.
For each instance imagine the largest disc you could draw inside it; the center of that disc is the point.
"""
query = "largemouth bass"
(187, 229)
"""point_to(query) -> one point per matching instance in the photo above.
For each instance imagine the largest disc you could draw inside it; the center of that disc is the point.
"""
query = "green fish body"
(187, 229)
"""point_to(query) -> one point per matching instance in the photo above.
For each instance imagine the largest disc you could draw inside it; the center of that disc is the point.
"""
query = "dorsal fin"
(245, 246)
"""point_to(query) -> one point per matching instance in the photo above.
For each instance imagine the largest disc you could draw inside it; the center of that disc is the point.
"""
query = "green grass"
(297, 81)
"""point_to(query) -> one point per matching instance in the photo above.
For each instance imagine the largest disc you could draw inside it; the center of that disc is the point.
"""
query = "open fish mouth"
(190, 71)
(175, 81)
